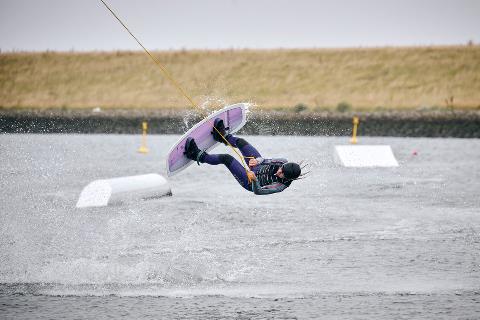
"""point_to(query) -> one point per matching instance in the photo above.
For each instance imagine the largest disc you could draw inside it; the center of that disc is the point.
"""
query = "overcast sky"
(176, 24)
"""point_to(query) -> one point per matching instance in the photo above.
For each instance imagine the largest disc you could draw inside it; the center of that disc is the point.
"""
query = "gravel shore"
(422, 123)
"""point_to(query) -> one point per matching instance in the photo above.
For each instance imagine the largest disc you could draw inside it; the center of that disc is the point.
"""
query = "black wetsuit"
(267, 182)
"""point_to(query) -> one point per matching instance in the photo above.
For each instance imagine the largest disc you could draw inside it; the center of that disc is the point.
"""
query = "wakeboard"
(233, 116)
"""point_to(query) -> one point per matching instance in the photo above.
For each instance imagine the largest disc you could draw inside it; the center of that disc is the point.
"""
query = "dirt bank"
(461, 124)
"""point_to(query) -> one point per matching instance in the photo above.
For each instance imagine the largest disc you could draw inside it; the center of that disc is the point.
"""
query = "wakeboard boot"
(192, 151)
(221, 131)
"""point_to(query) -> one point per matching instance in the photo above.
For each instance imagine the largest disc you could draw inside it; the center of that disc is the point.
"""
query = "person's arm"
(271, 188)
(274, 161)
(257, 161)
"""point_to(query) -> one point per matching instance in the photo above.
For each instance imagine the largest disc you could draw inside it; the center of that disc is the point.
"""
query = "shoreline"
(423, 123)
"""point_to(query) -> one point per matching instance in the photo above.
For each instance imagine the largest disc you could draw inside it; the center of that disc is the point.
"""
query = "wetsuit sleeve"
(271, 188)
(274, 161)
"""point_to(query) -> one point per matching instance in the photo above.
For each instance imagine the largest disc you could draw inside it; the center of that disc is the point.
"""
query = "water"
(343, 243)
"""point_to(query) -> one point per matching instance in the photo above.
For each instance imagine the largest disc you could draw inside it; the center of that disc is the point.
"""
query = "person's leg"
(247, 150)
(219, 134)
(236, 169)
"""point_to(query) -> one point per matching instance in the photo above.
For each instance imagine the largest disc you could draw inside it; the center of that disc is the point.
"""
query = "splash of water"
(210, 105)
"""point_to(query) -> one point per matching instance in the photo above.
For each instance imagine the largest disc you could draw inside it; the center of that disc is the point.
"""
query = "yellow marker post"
(143, 148)
(354, 135)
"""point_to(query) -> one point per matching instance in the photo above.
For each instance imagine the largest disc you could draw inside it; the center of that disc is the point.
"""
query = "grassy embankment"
(366, 79)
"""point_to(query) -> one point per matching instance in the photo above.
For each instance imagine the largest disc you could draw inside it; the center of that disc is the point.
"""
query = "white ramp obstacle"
(100, 193)
(365, 156)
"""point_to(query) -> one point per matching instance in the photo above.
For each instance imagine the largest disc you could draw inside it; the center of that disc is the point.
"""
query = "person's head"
(289, 170)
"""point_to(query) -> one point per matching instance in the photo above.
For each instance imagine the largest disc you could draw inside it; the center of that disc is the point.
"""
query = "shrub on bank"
(343, 107)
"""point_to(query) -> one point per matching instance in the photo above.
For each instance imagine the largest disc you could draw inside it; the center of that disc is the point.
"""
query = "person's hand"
(252, 162)
(251, 176)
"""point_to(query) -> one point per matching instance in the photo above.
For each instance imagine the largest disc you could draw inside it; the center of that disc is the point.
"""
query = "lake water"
(343, 243)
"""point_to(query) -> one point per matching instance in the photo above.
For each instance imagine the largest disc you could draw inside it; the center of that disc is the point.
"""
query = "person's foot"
(192, 152)
(221, 131)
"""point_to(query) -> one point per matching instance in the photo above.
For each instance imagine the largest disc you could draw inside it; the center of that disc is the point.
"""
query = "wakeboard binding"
(192, 151)
(220, 131)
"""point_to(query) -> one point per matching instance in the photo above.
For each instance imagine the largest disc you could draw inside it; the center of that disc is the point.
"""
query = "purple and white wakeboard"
(233, 116)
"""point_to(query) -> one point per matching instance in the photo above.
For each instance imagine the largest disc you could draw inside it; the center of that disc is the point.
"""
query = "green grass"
(365, 79)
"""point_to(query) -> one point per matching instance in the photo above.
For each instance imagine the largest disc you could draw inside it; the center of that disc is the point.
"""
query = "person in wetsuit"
(266, 176)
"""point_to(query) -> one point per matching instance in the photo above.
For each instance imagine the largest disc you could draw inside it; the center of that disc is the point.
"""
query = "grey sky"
(175, 24)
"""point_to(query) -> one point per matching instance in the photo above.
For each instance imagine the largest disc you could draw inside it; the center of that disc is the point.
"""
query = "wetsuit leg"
(236, 169)
(246, 148)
